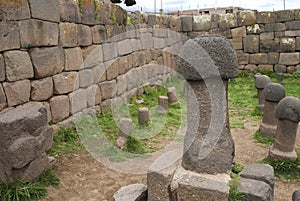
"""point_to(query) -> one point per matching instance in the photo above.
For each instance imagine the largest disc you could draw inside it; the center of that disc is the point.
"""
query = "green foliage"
(286, 169)
(234, 194)
(80, 5)
(135, 146)
(237, 167)
(131, 21)
(296, 75)
(269, 73)
(265, 140)
(96, 6)
(28, 191)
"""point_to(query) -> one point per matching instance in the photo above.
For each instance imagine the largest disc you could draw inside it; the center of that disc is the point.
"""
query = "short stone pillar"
(143, 115)
(172, 95)
(260, 82)
(124, 131)
(288, 114)
(24, 137)
(163, 104)
(273, 94)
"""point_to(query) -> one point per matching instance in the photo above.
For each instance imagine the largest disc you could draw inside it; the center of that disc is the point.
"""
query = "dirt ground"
(85, 179)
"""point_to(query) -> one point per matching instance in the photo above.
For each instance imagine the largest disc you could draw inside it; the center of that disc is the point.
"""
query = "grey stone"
(202, 23)
(73, 59)
(246, 18)
(292, 33)
(45, 10)
(289, 58)
(78, 100)
(36, 33)
(260, 172)
(60, 108)
(258, 58)
(171, 93)
(68, 34)
(260, 82)
(284, 15)
(298, 43)
(280, 68)
(296, 195)
(14, 10)
(275, 27)
(175, 23)
(99, 34)
(255, 190)
(17, 92)
(108, 89)
(9, 35)
(47, 61)
(152, 20)
(187, 23)
(274, 92)
(273, 58)
(251, 43)
(69, 11)
(237, 43)
(111, 51)
(242, 57)
(125, 127)
(238, 32)
(288, 109)
(146, 40)
(18, 65)
(265, 17)
(88, 12)
(41, 89)
(92, 56)
(267, 36)
(163, 104)
(121, 84)
(228, 20)
(112, 69)
(93, 95)
(133, 192)
(2, 68)
(255, 29)
(86, 78)
(143, 115)
(293, 25)
(3, 102)
(65, 82)
(124, 47)
(84, 35)
(99, 73)
(287, 44)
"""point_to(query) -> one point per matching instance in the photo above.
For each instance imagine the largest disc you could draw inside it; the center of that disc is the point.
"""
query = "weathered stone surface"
(86, 78)
(3, 102)
(47, 61)
(98, 34)
(69, 11)
(133, 192)
(297, 14)
(261, 172)
(14, 10)
(143, 115)
(152, 20)
(36, 33)
(202, 23)
(242, 57)
(265, 17)
(108, 89)
(93, 95)
(297, 43)
(88, 12)
(99, 73)
(267, 67)
(228, 21)
(175, 23)
(147, 40)
(251, 43)
(255, 29)
(111, 51)
(2, 68)
(261, 81)
(60, 108)
(92, 56)
(269, 46)
(275, 27)
(280, 68)
(238, 32)
(41, 89)
(78, 100)
(289, 109)
(246, 18)
(287, 44)
(45, 10)
(284, 15)
(273, 58)
(274, 92)
(258, 58)
(68, 33)
(296, 196)
(73, 59)
(187, 23)
(267, 36)
(293, 25)
(18, 65)
(120, 13)
(17, 92)
(255, 190)
(292, 33)
(289, 58)
(163, 104)
(124, 47)
(121, 84)
(237, 43)
(112, 69)
(65, 82)
(9, 35)
(84, 35)
(136, 44)
(171, 93)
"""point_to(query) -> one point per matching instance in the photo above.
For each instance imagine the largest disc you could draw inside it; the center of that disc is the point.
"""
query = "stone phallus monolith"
(260, 82)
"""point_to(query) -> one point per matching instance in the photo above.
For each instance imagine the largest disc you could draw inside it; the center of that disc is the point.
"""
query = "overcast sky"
(169, 5)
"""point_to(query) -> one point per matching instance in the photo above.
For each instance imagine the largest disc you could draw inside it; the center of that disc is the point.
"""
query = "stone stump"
(273, 94)
(288, 115)
(163, 104)
(260, 82)
(124, 131)
(143, 115)
(25, 136)
(172, 95)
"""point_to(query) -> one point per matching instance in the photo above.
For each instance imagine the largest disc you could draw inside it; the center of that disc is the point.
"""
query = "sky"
(171, 5)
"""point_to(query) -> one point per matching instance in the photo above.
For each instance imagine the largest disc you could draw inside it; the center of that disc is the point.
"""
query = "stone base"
(260, 107)
(277, 154)
(267, 130)
(133, 192)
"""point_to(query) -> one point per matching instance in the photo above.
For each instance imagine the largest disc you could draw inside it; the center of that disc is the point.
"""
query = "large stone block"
(93, 95)
(88, 12)
(255, 29)
(68, 33)
(9, 35)
(2, 68)
(237, 43)
(293, 25)
(289, 58)
(246, 18)
(18, 65)
(104, 13)
(202, 23)
(297, 48)
(41, 89)
(3, 102)
(120, 14)
(47, 61)
(99, 73)
(78, 100)
(92, 56)
(40, 104)
(108, 89)
(112, 69)
(269, 46)
(99, 34)
(267, 36)
(284, 15)
(45, 10)
(86, 78)
(60, 108)
(111, 51)
(275, 27)
(292, 33)
(121, 84)
(273, 58)
(255, 190)
(132, 192)
(159, 43)
(187, 23)
(228, 20)
(147, 40)
(287, 44)
(69, 11)
(14, 10)
(297, 14)
(175, 23)
(17, 92)
(124, 47)
(265, 17)
(238, 32)
(73, 59)
(36, 33)
(251, 43)
(65, 82)
(258, 58)
(125, 64)
(243, 58)
(261, 172)
(84, 35)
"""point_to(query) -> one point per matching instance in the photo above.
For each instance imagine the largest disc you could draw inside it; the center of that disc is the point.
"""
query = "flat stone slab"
(255, 190)
(133, 192)
(261, 172)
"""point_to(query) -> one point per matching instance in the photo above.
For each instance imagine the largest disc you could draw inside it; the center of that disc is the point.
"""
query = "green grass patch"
(286, 169)
(234, 194)
(265, 140)
(28, 191)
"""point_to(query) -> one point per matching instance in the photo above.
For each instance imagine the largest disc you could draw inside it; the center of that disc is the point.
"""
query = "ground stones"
(172, 95)
(288, 114)
(143, 115)
(124, 131)
(260, 82)
(163, 104)
(273, 93)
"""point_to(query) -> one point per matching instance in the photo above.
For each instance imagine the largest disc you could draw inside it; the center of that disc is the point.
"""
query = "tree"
(127, 2)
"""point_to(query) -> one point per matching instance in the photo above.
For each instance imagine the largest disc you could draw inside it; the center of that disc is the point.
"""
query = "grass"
(28, 191)
(234, 194)
(265, 140)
